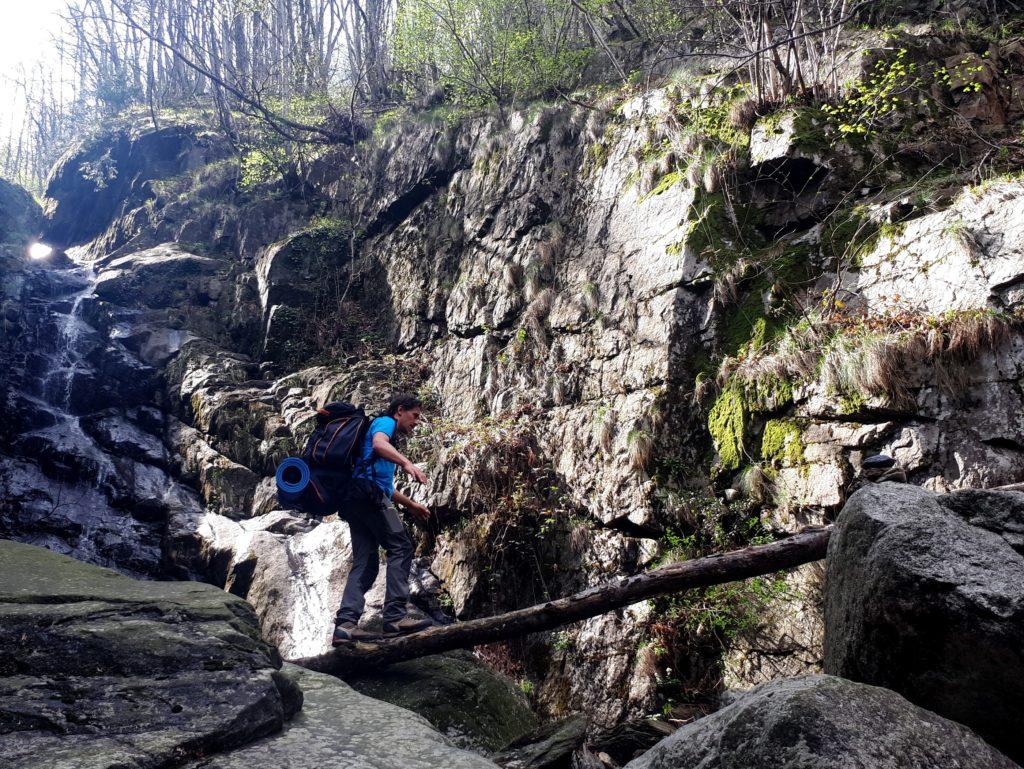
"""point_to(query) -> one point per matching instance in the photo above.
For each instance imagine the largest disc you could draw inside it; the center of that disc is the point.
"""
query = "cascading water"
(66, 362)
(67, 358)
(75, 468)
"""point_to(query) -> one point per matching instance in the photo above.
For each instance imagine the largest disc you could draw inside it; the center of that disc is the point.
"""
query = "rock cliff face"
(561, 290)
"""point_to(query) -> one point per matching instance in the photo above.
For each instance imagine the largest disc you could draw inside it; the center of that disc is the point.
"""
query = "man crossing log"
(805, 547)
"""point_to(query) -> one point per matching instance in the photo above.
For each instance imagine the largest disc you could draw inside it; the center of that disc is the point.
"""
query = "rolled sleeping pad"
(292, 481)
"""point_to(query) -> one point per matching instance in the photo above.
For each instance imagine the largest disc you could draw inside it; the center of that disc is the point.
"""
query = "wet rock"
(77, 519)
(163, 276)
(24, 414)
(20, 215)
(226, 486)
(153, 343)
(459, 695)
(630, 739)
(340, 727)
(199, 545)
(923, 596)
(118, 435)
(550, 747)
(125, 672)
(66, 454)
(143, 490)
(821, 722)
(293, 580)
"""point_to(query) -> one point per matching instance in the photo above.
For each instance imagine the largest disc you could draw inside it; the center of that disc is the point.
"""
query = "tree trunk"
(700, 572)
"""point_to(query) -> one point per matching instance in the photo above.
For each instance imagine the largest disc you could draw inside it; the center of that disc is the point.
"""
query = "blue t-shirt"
(380, 470)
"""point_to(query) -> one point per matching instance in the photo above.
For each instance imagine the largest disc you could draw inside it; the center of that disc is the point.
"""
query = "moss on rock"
(457, 694)
(781, 441)
(726, 423)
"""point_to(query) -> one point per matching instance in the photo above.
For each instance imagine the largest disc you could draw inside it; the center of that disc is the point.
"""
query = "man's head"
(406, 410)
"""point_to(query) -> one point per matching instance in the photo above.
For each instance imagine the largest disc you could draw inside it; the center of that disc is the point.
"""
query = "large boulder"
(163, 276)
(108, 175)
(925, 596)
(339, 727)
(458, 694)
(821, 722)
(100, 670)
(293, 580)
(20, 215)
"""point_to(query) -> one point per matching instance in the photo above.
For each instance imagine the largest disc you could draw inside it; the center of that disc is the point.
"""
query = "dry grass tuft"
(512, 276)
(604, 429)
(541, 305)
(591, 296)
(757, 485)
(579, 538)
(726, 291)
(877, 356)
(641, 446)
(695, 173)
(703, 391)
(647, 662)
(743, 113)
(712, 179)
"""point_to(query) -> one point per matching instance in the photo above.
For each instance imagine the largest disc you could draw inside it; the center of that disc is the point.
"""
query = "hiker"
(378, 524)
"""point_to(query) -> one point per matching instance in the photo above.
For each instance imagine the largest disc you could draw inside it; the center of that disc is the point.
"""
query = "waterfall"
(66, 360)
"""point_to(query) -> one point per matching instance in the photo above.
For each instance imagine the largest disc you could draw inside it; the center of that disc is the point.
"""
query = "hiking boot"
(350, 631)
(405, 626)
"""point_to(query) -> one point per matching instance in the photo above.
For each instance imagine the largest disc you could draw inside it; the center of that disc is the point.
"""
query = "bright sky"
(26, 29)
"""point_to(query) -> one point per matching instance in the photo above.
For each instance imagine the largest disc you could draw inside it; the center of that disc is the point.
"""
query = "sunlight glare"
(39, 250)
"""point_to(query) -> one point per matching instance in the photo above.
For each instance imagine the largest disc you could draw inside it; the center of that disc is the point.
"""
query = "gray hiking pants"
(378, 528)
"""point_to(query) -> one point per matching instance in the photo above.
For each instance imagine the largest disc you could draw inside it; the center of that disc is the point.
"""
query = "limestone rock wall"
(560, 290)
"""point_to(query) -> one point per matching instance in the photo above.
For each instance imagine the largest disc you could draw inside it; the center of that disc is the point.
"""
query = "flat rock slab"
(163, 276)
(342, 729)
(101, 670)
(925, 596)
(822, 722)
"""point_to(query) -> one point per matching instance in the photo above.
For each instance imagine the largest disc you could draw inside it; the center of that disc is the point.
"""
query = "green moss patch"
(725, 423)
(781, 441)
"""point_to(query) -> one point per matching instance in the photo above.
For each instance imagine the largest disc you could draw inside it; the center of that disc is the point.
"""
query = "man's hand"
(416, 474)
(419, 511)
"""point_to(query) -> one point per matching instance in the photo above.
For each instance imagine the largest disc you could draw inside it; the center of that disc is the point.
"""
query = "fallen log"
(805, 547)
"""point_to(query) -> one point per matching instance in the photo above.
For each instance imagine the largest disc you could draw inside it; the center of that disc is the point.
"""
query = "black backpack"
(337, 438)
(330, 457)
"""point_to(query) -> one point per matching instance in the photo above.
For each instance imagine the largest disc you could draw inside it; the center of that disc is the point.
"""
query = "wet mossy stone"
(465, 699)
(20, 215)
(102, 670)
(549, 747)
(339, 727)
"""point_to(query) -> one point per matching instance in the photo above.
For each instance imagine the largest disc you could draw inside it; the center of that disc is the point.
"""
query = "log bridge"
(807, 546)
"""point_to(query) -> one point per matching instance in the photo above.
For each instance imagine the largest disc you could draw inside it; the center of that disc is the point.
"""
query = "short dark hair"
(405, 401)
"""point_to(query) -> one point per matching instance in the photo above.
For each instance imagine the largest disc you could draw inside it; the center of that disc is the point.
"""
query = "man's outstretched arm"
(382, 446)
